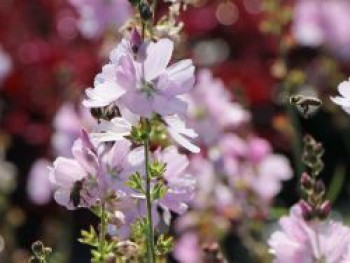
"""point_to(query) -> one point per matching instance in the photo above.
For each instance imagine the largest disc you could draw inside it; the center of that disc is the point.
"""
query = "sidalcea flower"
(343, 100)
(309, 242)
(76, 179)
(180, 183)
(96, 17)
(323, 22)
(188, 249)
(142, 81)
(211, 109)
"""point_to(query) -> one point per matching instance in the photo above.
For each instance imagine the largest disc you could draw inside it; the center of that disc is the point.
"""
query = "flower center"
(148, 88)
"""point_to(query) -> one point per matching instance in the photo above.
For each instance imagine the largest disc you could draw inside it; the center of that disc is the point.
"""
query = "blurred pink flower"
(97, 17)
(211, 109)
(187, 249)
(67, 124)
(308, 242)
(39, 188)
(323, 22)
(343, 100)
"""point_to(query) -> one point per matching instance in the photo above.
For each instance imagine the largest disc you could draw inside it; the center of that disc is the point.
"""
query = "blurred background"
(263, 50)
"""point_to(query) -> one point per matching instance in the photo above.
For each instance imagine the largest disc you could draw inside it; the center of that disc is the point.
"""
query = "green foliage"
(135, 182)
(164, 245)
(99, 254)
(158, 191)
(157, 169)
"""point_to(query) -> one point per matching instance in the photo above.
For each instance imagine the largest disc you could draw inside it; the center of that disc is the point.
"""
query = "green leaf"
(135, 182)
(164, 245)
(158, 191)
(157, 169)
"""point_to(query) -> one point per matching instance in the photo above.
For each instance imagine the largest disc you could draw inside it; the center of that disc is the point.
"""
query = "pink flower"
(308, 242)
(180, 183)
(187, 249)
(39, 188)
(76, 176)
(211, 109)
(67, 123)
(343, 100)
(152, 87)
(142, 82)
(96, 17)
(323, 23)
(271, 172)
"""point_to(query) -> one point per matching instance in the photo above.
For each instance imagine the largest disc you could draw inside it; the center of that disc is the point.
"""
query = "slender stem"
(102, 232)
(150, 237)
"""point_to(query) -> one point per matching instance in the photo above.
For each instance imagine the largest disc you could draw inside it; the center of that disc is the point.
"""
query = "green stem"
(150, 237)
(297, 145)
(102, 237)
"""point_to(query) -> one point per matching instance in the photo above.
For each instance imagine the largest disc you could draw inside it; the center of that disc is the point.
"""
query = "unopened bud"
(324, 210)
(145, 11)
(319, 188)
(319, 150)
(306, 181)
(306, 210)
(135, 40)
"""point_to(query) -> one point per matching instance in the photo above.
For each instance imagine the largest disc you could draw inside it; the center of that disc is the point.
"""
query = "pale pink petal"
(179, 125)
(158, 57)
(344, 89)
(183, 141)
(62, 197)
(168, 106)
(138, 103)
(65, 172)
(178, 79)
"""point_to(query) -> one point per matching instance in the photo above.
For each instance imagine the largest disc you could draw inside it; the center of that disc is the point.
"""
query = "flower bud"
(145, 11)
(306, 181)
(319, 188)
(324, 210)
(306, 210)
(135, 40)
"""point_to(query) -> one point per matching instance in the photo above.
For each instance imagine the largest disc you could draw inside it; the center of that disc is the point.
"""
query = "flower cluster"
(238, 177)
(97, 17)
(126, 168)
(322, 23)
(316, 241)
